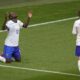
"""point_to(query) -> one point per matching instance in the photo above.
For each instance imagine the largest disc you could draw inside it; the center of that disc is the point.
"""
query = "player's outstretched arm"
(28, 19)
(5, 20)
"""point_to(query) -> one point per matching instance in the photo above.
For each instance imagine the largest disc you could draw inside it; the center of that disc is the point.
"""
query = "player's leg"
(79, 63)
(17, 55)
(7, 53)
(78, 55)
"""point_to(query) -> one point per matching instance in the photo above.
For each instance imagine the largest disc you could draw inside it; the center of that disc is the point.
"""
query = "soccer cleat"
(2, 59)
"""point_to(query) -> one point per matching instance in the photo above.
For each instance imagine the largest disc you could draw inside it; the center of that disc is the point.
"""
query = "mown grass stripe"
(50, 22)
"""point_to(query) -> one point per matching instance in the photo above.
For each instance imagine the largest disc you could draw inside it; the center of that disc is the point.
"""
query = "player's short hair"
(12, 15)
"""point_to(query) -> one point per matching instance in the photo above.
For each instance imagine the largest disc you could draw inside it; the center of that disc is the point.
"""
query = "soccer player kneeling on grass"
(11, 46)
(76, 31)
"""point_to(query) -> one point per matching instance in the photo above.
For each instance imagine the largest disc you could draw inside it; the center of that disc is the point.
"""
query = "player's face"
(13, 15)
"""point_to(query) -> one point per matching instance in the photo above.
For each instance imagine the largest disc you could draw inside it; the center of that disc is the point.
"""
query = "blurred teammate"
(76, 32)
(11, 46)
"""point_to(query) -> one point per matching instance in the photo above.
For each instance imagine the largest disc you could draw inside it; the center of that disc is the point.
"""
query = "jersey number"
(17, 31)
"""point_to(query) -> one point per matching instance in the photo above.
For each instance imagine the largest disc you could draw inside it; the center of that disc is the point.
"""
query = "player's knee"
(8, 60)
(18, 60)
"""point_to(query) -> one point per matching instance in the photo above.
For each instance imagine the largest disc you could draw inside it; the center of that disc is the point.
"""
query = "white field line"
(56, 21)
(38, 70)
(45, 23)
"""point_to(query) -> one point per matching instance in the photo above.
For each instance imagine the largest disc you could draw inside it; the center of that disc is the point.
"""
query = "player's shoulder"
(19, 21)
(9, 22)
(77, 21)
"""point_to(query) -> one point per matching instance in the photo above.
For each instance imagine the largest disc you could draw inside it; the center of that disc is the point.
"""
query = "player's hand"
(29, 14)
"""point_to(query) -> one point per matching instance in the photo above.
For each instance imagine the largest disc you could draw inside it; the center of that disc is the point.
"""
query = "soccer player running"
(76, 31)
(11, 46)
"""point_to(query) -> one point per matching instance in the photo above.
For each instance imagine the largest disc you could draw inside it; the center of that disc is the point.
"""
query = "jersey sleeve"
(74, 30)
(8, 24)
(20, 23)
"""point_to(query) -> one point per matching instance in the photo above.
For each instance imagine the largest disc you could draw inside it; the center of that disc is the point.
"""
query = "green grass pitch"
(46, 47)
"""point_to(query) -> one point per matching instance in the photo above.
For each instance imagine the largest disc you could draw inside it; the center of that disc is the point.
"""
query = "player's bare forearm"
(26, 23)
(4, 23)
(28, 20)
